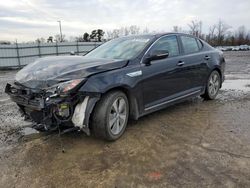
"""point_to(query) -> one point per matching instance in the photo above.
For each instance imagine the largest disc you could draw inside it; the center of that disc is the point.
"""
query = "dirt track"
(193, 144)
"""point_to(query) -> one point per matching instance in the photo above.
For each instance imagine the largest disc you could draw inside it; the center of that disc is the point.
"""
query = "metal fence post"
(56, 49)
(18, 56)
(39, 49)
(77, 47)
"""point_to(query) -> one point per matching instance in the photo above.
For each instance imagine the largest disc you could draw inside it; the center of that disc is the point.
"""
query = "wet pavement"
(193, 144)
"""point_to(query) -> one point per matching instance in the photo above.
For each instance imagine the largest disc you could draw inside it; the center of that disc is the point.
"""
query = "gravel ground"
(193, 144)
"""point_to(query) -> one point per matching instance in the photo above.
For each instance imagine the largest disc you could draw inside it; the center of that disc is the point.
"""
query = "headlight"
(67, 86)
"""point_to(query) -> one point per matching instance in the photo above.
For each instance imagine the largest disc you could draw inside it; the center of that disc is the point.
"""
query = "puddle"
(29, 134)
(240, 84)
(28, 131)
(237, 76)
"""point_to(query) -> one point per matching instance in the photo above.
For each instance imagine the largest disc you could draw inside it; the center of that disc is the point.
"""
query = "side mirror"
(156, 55)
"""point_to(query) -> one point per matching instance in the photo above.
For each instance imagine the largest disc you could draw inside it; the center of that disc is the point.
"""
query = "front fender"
(128, 79)
(101, 83)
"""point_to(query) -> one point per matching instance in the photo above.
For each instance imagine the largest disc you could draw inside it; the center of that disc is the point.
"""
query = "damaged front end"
(59, 106)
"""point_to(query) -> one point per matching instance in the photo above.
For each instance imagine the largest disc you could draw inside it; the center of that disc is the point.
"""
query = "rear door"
(195, 60)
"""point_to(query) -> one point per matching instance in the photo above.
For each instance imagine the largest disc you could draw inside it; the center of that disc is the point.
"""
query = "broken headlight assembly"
(68, 86)
(64, 88)
(64, 109)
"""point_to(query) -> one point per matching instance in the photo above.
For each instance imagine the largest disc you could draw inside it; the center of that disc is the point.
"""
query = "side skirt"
(170, 102)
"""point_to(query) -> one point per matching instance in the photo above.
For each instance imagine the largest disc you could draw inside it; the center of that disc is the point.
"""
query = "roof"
(159, 34)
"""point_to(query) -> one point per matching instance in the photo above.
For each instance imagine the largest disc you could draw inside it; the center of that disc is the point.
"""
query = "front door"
(164, 79)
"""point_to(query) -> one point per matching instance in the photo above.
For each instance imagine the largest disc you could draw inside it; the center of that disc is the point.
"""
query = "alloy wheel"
(118, 115)
(214, 84)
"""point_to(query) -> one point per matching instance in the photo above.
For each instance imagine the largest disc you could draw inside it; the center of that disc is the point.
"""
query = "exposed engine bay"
(50, 111)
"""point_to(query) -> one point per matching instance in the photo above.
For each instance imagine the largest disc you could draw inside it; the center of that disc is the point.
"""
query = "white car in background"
(236, 48)
(220, 48)
(244, 47)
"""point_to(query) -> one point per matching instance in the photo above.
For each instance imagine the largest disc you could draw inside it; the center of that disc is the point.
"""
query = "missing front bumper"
(50, 113)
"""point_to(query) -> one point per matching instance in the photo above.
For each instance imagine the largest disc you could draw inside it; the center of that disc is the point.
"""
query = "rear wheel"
(110, 116)
(212, 86)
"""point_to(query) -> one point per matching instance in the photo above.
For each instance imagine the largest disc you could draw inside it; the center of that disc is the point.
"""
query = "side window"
(189, 44)
(168, 43)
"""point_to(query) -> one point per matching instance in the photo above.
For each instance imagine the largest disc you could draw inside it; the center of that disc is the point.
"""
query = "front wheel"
(212, 86)
(110, 116)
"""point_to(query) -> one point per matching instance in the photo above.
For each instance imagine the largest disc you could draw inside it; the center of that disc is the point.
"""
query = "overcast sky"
(29, 19)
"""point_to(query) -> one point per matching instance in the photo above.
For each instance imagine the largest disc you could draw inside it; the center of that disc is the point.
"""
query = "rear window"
(189, 44)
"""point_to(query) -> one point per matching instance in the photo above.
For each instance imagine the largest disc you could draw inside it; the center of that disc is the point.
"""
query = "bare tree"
(57, 38)
(72, 39)
(241, 35)
(195, 28)
(212, 31)
(79, 39)
(145, 30)
(113, 34)
(248, 38)
(134, 30)
(177, 29)
(221, 28)
(220, 34)
(40, 40)
(210, 38)
(124, 31)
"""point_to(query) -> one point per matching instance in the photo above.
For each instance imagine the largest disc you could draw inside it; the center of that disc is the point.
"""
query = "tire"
(212, 86)
(110, 116)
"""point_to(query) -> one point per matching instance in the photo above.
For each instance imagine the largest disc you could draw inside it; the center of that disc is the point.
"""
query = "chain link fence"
(19, 55)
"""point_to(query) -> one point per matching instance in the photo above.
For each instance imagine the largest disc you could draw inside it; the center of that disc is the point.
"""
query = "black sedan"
(124, 78)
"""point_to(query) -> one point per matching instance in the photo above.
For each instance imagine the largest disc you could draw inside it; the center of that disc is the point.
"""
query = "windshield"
(121, 48)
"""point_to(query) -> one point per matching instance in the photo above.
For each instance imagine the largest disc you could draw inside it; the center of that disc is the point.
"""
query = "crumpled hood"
(48, 71)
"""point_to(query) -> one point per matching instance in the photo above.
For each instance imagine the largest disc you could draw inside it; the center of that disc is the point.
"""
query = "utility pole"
(60, 27)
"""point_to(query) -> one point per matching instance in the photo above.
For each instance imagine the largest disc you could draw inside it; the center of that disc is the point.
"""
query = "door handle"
(180, 63)
(206, 57)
